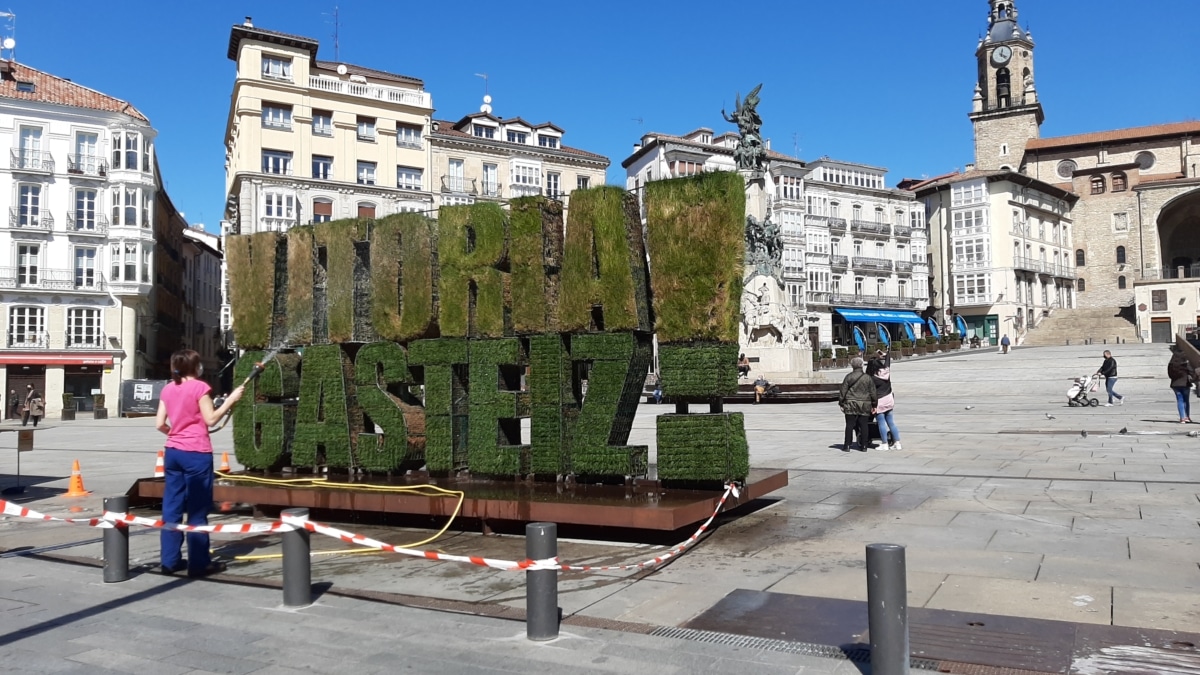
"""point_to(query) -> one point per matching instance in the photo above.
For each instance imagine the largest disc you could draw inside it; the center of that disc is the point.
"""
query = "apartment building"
(202, 258)
(866, 249)
(310, 140)
(78, 241)
(482, 157)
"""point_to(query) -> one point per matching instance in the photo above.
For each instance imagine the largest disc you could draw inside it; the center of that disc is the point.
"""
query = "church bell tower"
(1005, 110)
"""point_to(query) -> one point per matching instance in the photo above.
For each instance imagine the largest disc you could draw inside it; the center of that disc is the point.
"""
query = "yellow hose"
(325, 483)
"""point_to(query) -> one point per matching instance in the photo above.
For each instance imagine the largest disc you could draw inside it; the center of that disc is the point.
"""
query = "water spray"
(254, 373)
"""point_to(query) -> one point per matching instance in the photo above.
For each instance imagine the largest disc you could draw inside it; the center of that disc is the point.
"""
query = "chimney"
(768, 144)
(248, 23)
(969, 167)
(636, 147)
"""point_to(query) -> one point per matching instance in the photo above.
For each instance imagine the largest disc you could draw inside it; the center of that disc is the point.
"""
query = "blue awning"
(877, 315)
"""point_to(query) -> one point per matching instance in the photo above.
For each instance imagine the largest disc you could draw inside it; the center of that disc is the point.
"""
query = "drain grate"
(856, 655)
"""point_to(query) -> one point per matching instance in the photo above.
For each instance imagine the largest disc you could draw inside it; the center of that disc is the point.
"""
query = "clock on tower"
(1006, 112)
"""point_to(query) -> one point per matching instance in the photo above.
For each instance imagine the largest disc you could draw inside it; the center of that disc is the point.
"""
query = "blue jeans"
(1183, 401)
(884, 420)
(189, 487)
(1109, 383)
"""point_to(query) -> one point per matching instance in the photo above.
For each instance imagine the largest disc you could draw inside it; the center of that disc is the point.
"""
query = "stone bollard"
(297, 563)
(887, 609)
(116, 542)
(541, 586)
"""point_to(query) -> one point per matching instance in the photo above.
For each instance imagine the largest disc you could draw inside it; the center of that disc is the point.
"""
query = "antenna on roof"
(9, 41)
(487, 98)
(337, 29)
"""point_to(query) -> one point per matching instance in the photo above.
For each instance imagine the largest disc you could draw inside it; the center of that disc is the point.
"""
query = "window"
(114, 259)
(322, 124)
(1019, 287)
(322, 167)
(916, 220)
(526, 175)
(29, 205)
(858, 286)
(366, 173)
(277, 68)
(147, 254)
(408, 178)
(1066, 169)
(856, 212)
(972, 252)
(1080, 258)
(366, 210)
(1097, 185)
(683, 167)
(972, 289)
(277, 116)
(83, 327)
(789, 187)
(483, 131)
(552, 185)
(902, 289)
(366, 129)
(85, 267)
(145, 208)
(125, 150)
(408, 136)
(277, 162)
(582, 182)
(795, 293)
(30, 154)
(86, 159)
(279, 210)
(131, 262)
(1004, 149)
(124, 206)
(547, 141)
(85, 209)
(1158, 301)
(26, 87)
(881, 287)
(974, 220)
(879, 215)
(28, 256)
(1083, 286)
(1121, 283)
(1144, 160)
(491, 180)
(1120, 255)
(963, 194)
(1120, 182)
(456, 176)
(26, 327)
(858, 249)
(518, 137)
(322, 210)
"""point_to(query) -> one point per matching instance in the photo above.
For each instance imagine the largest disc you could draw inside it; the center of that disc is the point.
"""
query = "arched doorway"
(1179, 235)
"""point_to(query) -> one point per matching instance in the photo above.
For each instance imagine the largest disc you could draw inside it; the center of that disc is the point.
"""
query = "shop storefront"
(81, 375)
(858, 328)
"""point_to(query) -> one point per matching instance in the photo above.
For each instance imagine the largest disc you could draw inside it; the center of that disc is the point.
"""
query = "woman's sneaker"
(895, 446)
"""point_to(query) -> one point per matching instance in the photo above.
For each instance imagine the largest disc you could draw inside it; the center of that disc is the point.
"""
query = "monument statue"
(750, 152)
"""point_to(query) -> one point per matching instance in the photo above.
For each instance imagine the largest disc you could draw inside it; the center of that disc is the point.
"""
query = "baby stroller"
(1077, 395)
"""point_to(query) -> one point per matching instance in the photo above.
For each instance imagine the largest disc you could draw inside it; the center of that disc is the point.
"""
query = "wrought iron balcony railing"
(459, 186)
(84, 341)
(28, 340)
(861, 262)
(87, 165)
(87, 223)
(30, 218)
(870, 227)
(37, 161)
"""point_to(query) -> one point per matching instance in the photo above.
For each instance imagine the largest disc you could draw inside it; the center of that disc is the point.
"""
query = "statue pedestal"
(781, 364)
(756, 194)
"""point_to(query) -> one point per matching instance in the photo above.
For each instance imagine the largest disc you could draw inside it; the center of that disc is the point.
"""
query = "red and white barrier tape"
(290, 523)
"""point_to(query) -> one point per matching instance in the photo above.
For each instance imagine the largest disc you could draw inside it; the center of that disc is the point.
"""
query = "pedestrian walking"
(857, 400)
(1108, 370)
(880, 370)
(34, 407)
(1004, 343)
(185, 412)
(1182, 377)
(14, 404)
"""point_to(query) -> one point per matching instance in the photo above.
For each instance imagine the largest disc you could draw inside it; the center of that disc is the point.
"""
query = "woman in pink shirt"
(185, 412)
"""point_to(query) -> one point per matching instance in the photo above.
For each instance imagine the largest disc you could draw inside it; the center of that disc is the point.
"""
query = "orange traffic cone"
(76, 487)
(160, 469)
(224, 463)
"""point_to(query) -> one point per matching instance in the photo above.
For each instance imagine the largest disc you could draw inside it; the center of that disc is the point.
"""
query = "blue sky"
(883, 82)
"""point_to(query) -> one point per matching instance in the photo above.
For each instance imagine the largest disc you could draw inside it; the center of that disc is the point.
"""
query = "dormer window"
(483, 131)
(518, 137)
(277, 68)
(706, 139)
(547, 141)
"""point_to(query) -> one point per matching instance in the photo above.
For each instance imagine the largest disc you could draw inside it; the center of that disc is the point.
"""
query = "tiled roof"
(998, 174)
(362, 70)
(49, 88)
(1116, 135)
(446, 128)
(657, 137)
(241, 32)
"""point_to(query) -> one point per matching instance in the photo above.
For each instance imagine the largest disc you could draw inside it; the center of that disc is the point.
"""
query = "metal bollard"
(297, 564)
(116, 542)
(541, 586)
(887, 609)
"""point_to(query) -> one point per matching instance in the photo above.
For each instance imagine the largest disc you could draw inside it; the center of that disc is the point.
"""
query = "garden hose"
(254, 372)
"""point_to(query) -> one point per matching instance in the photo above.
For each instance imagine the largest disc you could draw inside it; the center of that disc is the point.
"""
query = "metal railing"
(837, 224)
(459, 186)
(96, 223)
(903, 231)
(42, 220)
(491, 190)
(30, 160)
(523, 190)
(420, 99)
(1177, 272)
(969, 265)
(811, 219)
(870, 227)
(872, 300)
(818, 297)
(839, 261)
(1027, 264)
(85, 341)
(861, 262)
(37, 277)
(818, 258)
(904, 266)
(87, 165)
(28, 340)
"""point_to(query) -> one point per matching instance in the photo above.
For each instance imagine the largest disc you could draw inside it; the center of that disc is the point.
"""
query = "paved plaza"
(1004, 505)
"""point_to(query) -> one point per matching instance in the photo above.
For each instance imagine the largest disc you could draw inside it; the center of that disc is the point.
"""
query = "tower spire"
(1002, 10)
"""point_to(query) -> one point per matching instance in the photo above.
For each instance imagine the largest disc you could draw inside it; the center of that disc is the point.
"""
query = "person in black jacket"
(1109, 371)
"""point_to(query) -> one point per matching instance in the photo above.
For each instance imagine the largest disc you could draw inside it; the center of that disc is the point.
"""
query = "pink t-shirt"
(188, 430)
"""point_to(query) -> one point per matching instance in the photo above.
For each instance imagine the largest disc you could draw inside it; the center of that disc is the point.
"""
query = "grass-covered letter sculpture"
(497, 341)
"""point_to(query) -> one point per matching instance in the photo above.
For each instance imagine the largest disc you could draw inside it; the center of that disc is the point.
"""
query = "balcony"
(904, 231)
(839, 261)
(523, 190)
(870, 227)
(861, 300)
(87, 165)
(37, 278)
(459, 186)
(491, 190)
(94, 224)
(904, 266)
(816, 258)
(969, 265)
(28, 340)
(862, 263)
(823, 221)
(33, 161)
(1064, 271)
(837, 224)
(42, 220)
(818, 298)
(85, 342)
(377, 92)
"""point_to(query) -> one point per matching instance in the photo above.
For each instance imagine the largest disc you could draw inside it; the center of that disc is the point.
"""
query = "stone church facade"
(1137, 219)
